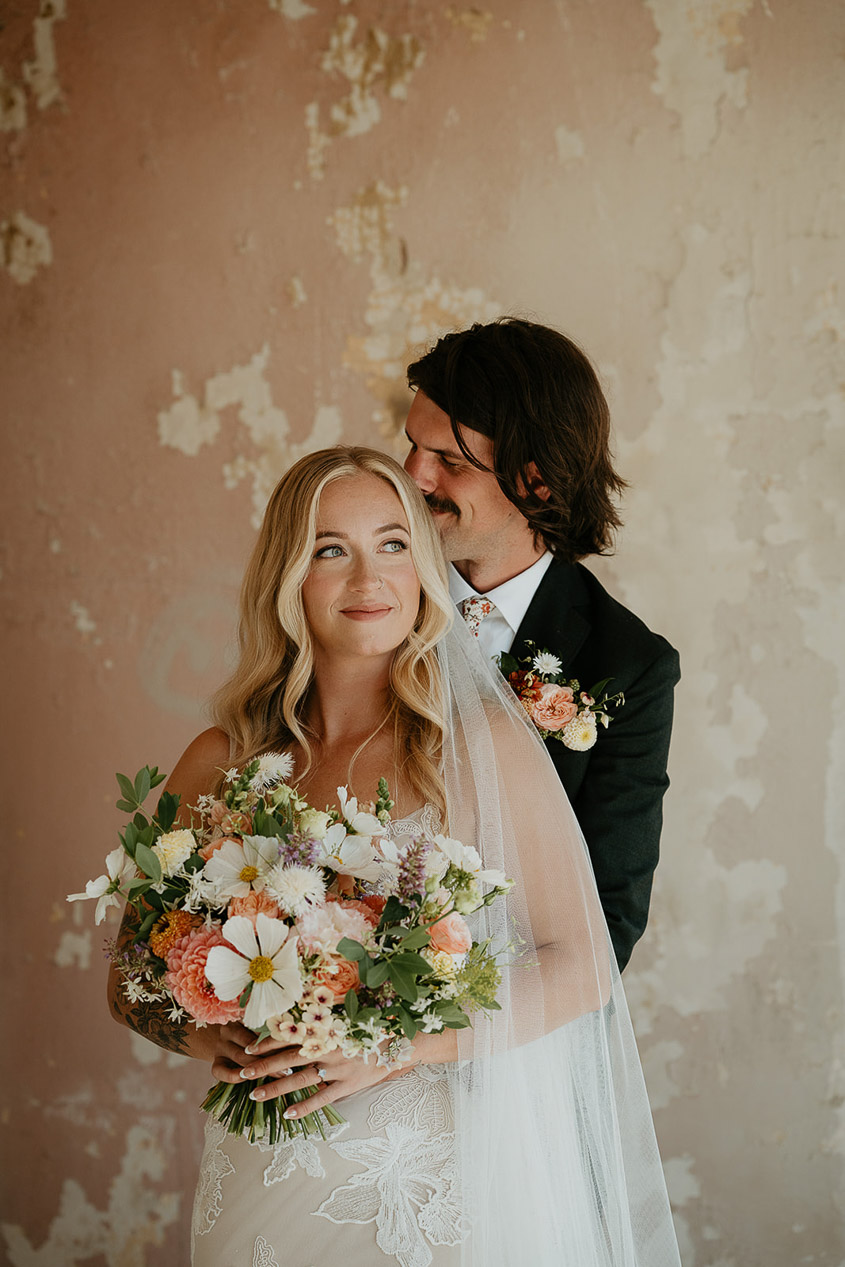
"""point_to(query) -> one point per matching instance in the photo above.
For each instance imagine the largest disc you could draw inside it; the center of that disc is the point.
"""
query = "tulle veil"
(557, 1153)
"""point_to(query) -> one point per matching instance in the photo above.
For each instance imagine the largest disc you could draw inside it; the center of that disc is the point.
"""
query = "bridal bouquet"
(308, 926)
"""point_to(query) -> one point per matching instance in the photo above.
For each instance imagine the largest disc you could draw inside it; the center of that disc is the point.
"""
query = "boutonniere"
(557, 705)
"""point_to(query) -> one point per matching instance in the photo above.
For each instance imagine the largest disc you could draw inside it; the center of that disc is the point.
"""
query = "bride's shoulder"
(200, 764)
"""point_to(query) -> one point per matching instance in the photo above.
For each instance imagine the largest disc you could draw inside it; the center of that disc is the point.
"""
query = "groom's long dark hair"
(536, 396)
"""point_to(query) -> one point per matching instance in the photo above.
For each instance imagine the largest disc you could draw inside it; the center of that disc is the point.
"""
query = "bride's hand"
(334, 1075)
(225, 1046)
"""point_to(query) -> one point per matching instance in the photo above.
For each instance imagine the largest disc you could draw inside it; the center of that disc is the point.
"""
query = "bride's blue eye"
(399, 545)
(323, 553)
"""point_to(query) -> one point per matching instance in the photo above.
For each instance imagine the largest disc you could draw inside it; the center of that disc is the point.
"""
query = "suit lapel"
(557, 619)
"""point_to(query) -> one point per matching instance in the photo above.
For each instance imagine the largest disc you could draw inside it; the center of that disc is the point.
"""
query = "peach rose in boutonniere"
(553, 707)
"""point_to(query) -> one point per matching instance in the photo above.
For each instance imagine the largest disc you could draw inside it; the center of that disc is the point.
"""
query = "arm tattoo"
(149, 1018)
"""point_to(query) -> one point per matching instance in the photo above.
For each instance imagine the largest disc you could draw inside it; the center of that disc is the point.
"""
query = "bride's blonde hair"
(261, 706)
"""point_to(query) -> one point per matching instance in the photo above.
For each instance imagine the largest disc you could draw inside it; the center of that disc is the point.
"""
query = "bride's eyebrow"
(343, 536)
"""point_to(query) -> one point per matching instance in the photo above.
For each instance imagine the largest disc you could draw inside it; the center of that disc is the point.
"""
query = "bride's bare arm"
(195, 772)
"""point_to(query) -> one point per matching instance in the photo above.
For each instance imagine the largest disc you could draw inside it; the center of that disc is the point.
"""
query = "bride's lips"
(365, 613)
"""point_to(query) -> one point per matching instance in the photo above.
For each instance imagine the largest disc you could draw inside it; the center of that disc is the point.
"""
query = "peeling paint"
(656, 1058)
(244, 388)
(570, 145)
(296, 291)
(692, 75)
(137, 1214)
(12, 105)
(25, 247)
(476, 22)
(293, 9)
(82, 619)
(405, 309)
(41, 74)
(378, 61)
(74, 950)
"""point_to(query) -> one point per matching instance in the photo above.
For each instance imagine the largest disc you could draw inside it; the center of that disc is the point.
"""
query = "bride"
(526, 1138)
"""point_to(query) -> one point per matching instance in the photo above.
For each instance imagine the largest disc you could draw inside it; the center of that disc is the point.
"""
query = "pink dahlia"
(187, 980)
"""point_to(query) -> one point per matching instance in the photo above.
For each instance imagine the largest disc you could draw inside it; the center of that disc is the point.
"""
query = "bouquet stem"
(230, 1103)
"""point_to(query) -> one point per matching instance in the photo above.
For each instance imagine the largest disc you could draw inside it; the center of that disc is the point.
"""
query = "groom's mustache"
(441, 503)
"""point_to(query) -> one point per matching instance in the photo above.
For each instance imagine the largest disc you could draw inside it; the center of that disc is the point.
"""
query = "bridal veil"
(556, 1147)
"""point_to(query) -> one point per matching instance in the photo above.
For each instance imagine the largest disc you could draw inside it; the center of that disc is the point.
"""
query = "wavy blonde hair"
(262, 705)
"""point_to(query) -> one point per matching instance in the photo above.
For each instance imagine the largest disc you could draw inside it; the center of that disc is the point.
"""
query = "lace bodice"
(425, 820)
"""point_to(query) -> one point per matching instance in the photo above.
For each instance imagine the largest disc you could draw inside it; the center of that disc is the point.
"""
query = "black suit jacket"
(617, 786)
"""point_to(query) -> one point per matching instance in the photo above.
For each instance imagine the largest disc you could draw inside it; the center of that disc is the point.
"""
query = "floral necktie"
(474, 610)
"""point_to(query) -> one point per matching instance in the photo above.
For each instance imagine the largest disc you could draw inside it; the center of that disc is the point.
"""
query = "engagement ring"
(321, 1073)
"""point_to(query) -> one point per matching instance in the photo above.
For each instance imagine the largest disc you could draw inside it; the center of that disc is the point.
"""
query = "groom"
(509, 434)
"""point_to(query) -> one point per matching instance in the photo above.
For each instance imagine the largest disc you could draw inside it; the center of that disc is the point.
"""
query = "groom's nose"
(421, 468)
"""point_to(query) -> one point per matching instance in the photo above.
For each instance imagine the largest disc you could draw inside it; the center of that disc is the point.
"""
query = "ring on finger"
(321, 1074)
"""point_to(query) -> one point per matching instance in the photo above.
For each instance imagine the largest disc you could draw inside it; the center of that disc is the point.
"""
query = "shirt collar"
(513, 598)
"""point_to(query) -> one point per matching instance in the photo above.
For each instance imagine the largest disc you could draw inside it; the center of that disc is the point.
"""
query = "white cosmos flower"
(264, 956)
(362, 824)
(545, 662)
(349, 855)
(121, 869)
(467, 858)
(296, 888)
(237, 870)
(273, 768)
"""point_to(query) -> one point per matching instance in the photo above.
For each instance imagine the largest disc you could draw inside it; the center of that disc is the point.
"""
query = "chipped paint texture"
(24, 247)
(370, 60)
(224, 231)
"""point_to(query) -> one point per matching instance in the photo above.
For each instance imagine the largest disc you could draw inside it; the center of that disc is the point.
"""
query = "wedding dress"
(382, 1188)
(536, 1145)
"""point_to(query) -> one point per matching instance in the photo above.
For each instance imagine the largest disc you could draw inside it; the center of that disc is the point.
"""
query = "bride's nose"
(365, 577)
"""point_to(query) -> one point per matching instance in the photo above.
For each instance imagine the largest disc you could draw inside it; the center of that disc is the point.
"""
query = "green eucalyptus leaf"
(351, 949)
(166, 810)
(146, 925)
(377, 974)
(409, 1025)
(403, 984)
(127, 788)
(350, 1003)
(416, 939)
(148, 862)
(125, 807)
(142, 785)
(408, 961)
(138, 886)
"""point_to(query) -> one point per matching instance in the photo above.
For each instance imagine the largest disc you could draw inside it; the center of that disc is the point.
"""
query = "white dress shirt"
(512, 600)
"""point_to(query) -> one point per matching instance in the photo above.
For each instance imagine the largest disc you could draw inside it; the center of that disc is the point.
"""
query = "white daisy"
(545, 662)
(236, 870)
(273, 768)
(296, 888)
(106, 888)
(263, 956)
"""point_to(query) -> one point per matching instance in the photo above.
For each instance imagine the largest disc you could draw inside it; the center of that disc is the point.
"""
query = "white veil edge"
(557, 1153)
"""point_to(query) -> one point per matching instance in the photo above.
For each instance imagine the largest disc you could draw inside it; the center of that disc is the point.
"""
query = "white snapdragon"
(107, 888)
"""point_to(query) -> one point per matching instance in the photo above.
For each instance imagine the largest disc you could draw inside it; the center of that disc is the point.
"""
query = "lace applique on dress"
(263, 1254)
(409, 1184)
(298, 1151)
(425, 820)
(216, 1166)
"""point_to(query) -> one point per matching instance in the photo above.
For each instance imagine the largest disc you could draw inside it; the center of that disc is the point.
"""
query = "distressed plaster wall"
(225, 226)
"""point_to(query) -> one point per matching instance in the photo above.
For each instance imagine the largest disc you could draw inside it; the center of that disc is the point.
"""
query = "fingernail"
(250, 1050)
(249, 1073)
(257, 1094)
(289, 1113)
